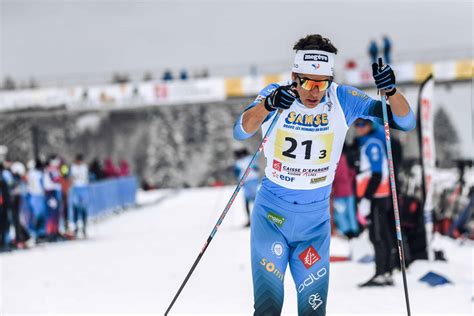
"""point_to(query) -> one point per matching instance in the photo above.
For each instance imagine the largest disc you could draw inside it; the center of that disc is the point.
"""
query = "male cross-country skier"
(290, 221)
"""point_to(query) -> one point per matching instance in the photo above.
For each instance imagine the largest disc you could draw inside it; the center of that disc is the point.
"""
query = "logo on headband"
(316, 57)
(316, 66)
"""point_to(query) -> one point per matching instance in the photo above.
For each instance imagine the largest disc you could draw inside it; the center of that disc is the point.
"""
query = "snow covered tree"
(446, 139)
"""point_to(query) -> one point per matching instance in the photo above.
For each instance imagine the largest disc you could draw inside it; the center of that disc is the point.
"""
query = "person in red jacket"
(124, 168)
(110, 170)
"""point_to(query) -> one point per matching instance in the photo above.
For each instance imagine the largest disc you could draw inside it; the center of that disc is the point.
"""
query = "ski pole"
(394, 194)
(226, 209)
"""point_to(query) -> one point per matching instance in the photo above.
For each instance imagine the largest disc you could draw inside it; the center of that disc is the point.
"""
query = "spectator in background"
(53, 195)
(387, 50)
(373, 190)
(253, 70)
(95, 170)
(253, 179)
(124, 168)
(36, 199)
(374, 51)
(6, 173)
(120, 78)
(344, 200)
(200, 74)
(65, 185)
(167, 75)
(147, 185)
(4, 207)
(183, 75)
(147, 76)
(18, 192)
(32, 84)
(110, 170)
(9, 83)
(79, 194)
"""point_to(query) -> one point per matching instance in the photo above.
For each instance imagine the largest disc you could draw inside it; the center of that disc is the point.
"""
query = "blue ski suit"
(290, 223)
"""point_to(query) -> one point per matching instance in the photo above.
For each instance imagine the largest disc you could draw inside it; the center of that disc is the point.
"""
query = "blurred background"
(119, 114)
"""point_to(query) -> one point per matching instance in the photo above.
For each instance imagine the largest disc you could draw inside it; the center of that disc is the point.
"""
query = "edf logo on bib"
(287, 178)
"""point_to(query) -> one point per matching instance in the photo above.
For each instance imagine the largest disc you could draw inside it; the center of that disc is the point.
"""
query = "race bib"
(303, 148)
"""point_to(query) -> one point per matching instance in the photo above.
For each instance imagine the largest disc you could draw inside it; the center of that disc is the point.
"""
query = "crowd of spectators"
(10, 84)
(166, 76)
(34, 198)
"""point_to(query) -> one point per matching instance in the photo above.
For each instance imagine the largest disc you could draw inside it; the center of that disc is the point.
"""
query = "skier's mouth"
(312, 101)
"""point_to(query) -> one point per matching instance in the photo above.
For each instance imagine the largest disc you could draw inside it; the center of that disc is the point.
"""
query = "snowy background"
(192, 144)
(134, 263)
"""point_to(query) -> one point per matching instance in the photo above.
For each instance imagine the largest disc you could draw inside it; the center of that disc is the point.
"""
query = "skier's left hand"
(384, 78)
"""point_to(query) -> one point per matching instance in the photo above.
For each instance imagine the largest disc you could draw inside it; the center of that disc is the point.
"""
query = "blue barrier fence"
(104, 196)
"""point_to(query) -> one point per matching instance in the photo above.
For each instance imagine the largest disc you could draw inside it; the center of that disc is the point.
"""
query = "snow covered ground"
(134, 263)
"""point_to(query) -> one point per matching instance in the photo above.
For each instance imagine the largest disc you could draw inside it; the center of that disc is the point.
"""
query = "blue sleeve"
(374, 153)
(356, 104)
(405, 123)
(239, 132)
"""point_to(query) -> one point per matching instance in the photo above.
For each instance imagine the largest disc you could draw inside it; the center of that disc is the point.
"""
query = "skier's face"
(317, 86)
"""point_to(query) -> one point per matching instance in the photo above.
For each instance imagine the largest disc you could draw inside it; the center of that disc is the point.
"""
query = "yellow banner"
(268, 79)
(233, 87)
(464, 69)
(422, 71)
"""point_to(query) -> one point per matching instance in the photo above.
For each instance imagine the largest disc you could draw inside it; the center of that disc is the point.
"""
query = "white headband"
(314, 62)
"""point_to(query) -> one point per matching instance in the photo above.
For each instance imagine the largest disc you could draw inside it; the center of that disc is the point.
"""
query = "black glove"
(384, 78)
(281, 98)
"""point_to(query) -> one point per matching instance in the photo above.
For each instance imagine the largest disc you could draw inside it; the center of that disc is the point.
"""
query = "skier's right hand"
(281, 98)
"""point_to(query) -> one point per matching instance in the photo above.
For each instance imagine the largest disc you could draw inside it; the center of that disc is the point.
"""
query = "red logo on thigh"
(309, 257)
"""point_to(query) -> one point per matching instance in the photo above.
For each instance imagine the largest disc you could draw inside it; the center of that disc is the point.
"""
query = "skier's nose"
(314, 92)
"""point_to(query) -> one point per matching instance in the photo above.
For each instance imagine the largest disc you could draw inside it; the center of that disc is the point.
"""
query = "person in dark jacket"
(4, 208)
(387, 49)
(373, 51)
(373, 191)
(96, 172)
(18, 195)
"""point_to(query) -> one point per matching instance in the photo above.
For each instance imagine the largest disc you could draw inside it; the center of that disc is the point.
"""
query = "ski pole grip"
(381, 91)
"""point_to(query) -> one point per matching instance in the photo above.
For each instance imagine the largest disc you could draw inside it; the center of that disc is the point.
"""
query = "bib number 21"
(303, 148)
(307, 144)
